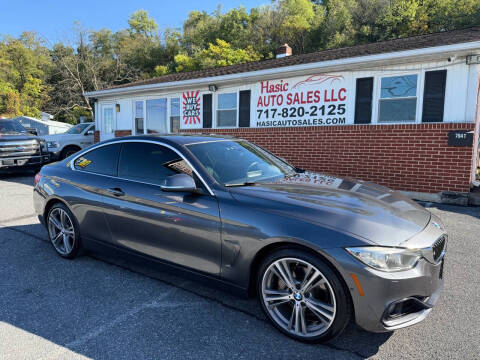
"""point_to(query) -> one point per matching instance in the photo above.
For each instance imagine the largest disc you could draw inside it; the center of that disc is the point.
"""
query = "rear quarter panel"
(81, 192)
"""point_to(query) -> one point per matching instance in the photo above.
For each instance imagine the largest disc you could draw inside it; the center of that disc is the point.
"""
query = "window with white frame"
(227, 110)
(398, 98)
(139, 117)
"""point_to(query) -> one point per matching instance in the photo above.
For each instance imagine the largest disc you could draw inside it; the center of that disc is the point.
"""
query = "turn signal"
(36, 180)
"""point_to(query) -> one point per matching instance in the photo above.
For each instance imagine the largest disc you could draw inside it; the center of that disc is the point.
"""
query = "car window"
(102, 160)
(11, 127)
(77, 129)
(236, 162)
(150, 163)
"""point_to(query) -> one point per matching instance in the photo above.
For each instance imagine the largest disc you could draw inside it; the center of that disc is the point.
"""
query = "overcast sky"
(54, 19)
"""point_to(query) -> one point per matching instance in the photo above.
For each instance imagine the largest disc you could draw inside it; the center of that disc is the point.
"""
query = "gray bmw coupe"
(317, 250)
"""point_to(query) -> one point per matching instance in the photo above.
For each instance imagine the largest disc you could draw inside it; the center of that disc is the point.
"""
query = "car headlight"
(53, 144)
(386, 258)
(43, 145)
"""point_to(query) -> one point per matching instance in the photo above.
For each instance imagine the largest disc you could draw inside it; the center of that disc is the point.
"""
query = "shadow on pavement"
(120, 308)
(24, 177)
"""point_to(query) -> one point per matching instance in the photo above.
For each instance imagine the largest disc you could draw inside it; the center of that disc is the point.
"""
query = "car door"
(86, 137)
(88, 185)
(179, 227)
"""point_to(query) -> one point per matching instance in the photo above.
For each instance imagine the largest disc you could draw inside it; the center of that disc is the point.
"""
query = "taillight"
(36, 180)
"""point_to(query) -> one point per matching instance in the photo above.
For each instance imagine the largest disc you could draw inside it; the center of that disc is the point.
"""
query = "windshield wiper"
(246, 183)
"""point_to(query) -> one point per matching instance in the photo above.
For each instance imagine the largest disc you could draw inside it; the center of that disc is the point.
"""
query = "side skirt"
(126, 258)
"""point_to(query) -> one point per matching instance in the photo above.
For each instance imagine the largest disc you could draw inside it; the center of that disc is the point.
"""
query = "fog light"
(404, 307)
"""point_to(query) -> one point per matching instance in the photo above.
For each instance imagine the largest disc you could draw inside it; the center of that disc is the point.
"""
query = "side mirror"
(89, 132)
(32, 131)
(179, 182)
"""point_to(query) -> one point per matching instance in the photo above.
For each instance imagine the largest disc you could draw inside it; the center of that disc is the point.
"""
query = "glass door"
(156, 111)
(174, 114)
(108, 122)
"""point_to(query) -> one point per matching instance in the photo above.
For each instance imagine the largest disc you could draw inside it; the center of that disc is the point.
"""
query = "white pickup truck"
(74, 139)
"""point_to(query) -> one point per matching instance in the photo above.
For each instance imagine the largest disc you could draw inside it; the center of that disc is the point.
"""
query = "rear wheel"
(63, 231)
(302, 296)
(69, 150)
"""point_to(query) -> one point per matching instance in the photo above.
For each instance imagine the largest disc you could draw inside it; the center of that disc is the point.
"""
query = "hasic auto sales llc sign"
(314, 100)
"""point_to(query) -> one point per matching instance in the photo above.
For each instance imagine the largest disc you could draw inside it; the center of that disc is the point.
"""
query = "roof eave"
(419, 54)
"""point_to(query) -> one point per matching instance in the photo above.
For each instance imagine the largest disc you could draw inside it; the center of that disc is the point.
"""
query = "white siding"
(460, 96)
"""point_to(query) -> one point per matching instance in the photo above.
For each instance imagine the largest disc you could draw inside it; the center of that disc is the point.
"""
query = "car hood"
(6, 138)
(54, 137)
(364, 209)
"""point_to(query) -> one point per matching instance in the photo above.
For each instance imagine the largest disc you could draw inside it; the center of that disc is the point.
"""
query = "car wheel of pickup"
(69, 150)
(302, 296)
(62, 230)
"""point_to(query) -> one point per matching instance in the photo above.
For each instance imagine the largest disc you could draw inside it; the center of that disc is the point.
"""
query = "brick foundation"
(404, 157)
(120, 133)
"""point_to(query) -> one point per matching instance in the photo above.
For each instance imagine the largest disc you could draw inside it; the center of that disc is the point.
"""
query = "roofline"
(292, 68)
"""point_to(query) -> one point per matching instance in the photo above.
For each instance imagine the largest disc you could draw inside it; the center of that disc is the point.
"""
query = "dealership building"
(403, 113)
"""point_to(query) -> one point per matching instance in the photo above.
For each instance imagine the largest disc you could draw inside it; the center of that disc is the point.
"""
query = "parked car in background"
(71, 141)
(19, 149)
(31, 131)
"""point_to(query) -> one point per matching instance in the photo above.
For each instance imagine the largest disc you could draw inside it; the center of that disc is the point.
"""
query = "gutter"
(290, 69)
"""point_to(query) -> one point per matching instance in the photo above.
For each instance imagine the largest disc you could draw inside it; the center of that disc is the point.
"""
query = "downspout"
(476, 135)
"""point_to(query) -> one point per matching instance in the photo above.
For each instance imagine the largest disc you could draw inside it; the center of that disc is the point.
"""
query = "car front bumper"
(55, 153)
(24, 161)
(385, 301)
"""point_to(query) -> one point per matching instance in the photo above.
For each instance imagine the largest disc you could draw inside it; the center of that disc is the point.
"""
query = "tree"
(219, 54)
(296, 18)
(24, 63)
(142, 24)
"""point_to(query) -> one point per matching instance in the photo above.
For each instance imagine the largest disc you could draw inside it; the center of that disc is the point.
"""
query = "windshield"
(11, 127)
(77, 129)
(239, 162)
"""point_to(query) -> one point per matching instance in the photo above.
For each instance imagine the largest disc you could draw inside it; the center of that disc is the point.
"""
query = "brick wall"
(403, 157)
(120, 133)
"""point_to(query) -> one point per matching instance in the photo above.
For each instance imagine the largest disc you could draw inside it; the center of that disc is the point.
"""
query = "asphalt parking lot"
(104, 308)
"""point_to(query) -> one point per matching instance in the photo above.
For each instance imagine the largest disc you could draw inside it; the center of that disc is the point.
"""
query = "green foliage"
(219, 54)
(24, 64)
(142, 24)
(35, 78)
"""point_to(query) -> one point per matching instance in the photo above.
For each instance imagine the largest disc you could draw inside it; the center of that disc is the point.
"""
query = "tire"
(69, 150)
(67, 243)
(317, 295)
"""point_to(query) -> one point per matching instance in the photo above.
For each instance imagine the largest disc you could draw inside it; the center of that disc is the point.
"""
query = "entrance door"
(107, 130)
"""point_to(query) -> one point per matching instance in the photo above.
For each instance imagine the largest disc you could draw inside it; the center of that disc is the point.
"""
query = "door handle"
(116, 191)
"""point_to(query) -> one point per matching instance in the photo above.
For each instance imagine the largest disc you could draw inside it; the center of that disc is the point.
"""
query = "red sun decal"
(191, 107)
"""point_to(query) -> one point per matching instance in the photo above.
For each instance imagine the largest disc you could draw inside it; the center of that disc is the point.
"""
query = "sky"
(53, 19)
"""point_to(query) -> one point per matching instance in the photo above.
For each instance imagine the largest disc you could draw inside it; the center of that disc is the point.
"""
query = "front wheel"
(302, 296)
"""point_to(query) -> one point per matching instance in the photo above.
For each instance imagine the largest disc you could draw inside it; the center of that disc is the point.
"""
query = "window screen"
(102, 160)
(227, 110)
(398, 99)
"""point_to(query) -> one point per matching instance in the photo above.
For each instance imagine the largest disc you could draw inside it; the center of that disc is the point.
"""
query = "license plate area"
(8, 162)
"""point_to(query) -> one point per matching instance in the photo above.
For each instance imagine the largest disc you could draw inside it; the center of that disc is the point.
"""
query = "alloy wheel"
(298, 297)
(61, 231)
